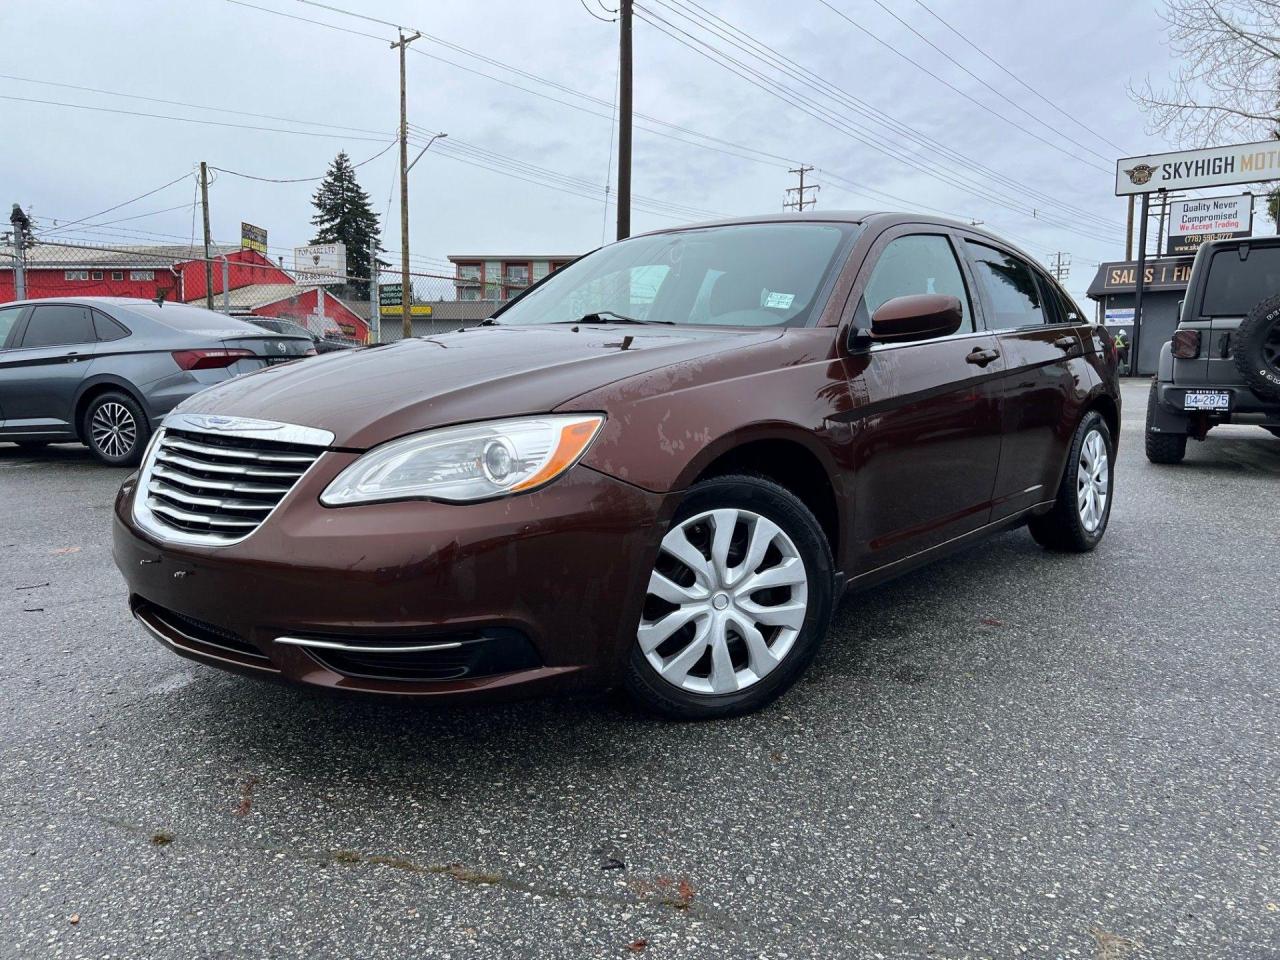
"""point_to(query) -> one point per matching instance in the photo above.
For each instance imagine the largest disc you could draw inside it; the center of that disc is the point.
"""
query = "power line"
(210, 123)
(1013, 103)
(724, 30)
(141, 196)
(250, 176)
(596, 15)
(1018, 79)
(836, 121)
(888, 46)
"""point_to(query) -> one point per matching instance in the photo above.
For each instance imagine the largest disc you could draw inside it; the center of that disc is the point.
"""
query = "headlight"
(473, 462)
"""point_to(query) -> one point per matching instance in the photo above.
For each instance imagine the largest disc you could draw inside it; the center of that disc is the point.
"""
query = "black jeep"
(1223, 363)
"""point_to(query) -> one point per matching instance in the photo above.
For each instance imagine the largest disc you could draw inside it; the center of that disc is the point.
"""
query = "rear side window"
(8, 317)
(1236, 286)
(59, 323)
(920, 263)
(1011, 287)
(107, 329)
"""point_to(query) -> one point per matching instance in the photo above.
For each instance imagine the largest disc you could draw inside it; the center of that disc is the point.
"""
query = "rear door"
(927, 440)
(39, 376)
(1040, 339)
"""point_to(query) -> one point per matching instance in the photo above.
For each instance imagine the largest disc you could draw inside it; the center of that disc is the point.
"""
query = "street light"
(406, 289)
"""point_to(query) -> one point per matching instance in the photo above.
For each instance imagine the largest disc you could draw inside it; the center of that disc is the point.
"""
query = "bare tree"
(1228, 84)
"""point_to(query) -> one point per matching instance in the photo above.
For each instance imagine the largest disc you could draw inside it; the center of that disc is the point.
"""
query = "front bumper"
(563, 568)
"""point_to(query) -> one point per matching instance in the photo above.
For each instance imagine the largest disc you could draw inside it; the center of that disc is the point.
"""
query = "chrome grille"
(216, 487)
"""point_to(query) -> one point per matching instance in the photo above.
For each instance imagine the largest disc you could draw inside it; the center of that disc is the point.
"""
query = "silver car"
(105, 370)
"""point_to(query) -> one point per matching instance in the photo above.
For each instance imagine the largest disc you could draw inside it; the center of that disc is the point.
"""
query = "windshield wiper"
(608, 316)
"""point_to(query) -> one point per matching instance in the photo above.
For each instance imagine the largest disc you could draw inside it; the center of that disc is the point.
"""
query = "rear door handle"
(981, 357)
(1066, 343)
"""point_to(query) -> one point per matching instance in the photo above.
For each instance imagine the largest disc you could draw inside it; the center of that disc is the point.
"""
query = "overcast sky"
(67, 163)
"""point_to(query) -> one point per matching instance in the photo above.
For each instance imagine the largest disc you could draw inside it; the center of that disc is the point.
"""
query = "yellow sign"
(415, 310)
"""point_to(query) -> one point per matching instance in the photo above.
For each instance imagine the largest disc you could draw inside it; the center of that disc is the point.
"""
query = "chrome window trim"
(967, 335)
(230, 427)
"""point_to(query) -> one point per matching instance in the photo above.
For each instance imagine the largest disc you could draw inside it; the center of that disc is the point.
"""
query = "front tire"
(115, 429)
(1162, 447)
(737, 604)
(1079, 517)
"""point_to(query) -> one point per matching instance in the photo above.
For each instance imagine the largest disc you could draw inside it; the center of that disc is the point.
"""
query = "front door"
(927, 422)
(40, 374)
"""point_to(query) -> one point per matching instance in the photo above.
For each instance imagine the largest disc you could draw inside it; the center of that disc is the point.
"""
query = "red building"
(256, 285)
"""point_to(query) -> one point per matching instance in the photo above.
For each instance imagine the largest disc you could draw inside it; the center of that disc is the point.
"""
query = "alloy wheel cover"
(725, 602)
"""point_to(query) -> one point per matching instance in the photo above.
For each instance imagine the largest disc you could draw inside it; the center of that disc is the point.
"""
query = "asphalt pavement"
(1010, 753)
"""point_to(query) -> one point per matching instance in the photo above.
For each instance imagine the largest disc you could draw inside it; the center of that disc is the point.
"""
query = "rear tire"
(115, 429)
(734, 648)
(1162, 447)
(1080, 513)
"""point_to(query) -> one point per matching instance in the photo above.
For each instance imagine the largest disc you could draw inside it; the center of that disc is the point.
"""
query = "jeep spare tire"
(1257, 348)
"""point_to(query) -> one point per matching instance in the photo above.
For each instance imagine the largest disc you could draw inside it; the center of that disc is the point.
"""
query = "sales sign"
(321, 263)
(253, 238)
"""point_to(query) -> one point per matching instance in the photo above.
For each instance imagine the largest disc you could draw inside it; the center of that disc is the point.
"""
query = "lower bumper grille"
(484, 653)
(196, 634)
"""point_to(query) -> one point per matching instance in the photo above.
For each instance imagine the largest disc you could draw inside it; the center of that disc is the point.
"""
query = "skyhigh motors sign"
(1190, 169)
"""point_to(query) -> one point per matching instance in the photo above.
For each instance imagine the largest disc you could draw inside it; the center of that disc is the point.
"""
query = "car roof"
(1236, 241)
(881, 218)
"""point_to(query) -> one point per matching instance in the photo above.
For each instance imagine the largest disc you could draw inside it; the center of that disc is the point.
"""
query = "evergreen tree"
(344, 215)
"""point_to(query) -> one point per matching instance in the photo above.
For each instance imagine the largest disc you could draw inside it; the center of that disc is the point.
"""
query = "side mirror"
(916, 317)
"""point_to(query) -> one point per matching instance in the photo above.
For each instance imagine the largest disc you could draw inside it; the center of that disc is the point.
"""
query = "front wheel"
(1082, 509)
(115, 429)
(737, 604)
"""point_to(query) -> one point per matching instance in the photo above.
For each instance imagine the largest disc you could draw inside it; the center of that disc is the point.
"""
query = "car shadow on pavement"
(59, 453)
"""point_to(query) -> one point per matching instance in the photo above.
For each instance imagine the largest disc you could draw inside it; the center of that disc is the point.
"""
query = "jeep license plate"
(1206, 400)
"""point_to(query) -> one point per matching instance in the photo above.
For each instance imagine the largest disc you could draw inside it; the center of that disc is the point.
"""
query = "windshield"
(742, 275)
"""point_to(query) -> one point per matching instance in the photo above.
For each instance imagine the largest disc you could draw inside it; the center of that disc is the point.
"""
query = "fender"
(1164, 372)
(96, 381)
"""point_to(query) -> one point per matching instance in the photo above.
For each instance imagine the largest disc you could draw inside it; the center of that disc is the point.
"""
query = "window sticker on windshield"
(780, 301)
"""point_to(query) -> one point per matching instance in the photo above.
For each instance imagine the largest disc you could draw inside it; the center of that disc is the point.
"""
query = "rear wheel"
(1162, 447)
(736, 605)
(1082, 509)
(115, 429)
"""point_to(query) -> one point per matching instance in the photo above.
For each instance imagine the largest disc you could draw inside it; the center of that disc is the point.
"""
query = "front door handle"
(981, 357)
(1066, 343)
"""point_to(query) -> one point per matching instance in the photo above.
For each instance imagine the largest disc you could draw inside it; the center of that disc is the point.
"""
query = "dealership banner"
(253, 238)
(1193, 222)
(1191, 169)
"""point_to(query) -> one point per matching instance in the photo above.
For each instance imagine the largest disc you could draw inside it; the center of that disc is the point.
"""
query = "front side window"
(748, 275)
(920, 263)
(58, 324)
(1011, 287)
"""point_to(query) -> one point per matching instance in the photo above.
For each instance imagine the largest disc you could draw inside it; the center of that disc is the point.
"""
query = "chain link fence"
(439, 303)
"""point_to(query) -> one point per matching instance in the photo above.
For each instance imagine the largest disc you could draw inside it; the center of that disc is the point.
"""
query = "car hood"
(364, 397)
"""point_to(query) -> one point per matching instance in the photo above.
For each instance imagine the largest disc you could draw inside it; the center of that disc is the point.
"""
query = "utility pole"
(801, 199)
(1060, 266)
(208, 263)
(406, 290)
(624, 119)
(375, 309)
(21, 225)
(1128, 232)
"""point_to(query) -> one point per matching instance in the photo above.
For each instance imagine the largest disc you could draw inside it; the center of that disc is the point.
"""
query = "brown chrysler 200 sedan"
(660, 467)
